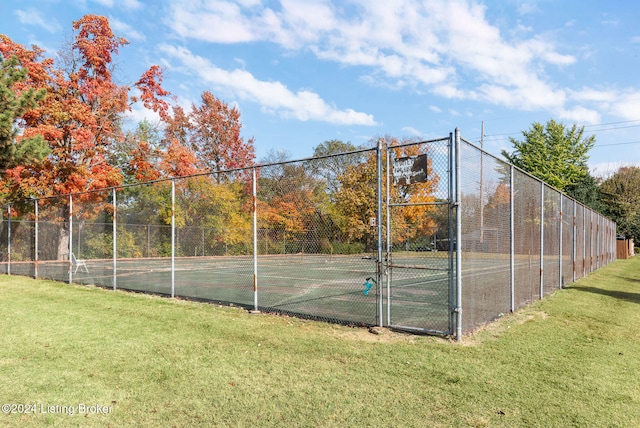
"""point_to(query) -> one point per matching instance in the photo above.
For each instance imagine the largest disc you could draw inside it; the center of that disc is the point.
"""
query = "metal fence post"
(608, 241)
(608, 238)
(512, 257)
(389, 240)
(602, 241)
(584, 241)
(598, 242)
(115, 239)
(255, 239)
(541, 239)
(9, 239)
(453, 304)
(560, 244)
(610, 255)
(35, 240)
(458, 241)
(574, 248)
(379, 223)
(70, 238)
(591, 242)
(173, 238)
(614, 232)
(614, 254)
(595, 250)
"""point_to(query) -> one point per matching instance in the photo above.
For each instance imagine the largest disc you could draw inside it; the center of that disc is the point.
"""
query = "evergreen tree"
(621, 194)
(15, 150)
(553, 153)
(587, 191)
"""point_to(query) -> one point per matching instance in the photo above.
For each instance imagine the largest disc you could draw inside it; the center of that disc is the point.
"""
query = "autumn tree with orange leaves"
(356, 198)
(416, 219)
(81, 113)
(79, 117)
(215, 135)
(207, 139)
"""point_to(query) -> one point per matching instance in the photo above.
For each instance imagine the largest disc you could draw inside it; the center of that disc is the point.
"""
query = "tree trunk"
(63, 242)
(64, 234)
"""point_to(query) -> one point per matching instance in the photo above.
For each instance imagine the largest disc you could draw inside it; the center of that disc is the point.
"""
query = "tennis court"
(330, 287)
(434, 237)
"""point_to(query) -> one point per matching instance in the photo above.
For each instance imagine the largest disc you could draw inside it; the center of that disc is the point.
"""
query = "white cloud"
(527, 7)
(558, 59)
(229, 23)
(452, 92)
(412, 131)
(125, 29)
(107, 3)
(401, 43)
(271, 96)
(139, 113)
(126, 4)
(249, 3)
(302, 21)
(627, 105)
(537, 96)
(132, 4)
(621, 103)
(33, 17)
(606, 169)
(580, 115)
(594, 95)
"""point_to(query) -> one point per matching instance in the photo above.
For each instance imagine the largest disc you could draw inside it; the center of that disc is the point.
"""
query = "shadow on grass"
(622, 295)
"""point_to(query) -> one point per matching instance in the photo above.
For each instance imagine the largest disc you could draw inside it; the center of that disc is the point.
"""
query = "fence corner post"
(458, 241)
(379, 151)
(255, 238)
(512, 240)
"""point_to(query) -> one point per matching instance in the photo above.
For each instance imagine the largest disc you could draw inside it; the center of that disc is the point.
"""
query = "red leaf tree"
(215, 135)
(80, 116)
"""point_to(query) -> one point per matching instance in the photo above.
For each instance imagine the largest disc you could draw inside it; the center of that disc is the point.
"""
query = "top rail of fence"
(206, 174)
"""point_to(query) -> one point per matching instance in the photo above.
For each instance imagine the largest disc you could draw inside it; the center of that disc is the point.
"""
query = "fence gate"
(419, 262)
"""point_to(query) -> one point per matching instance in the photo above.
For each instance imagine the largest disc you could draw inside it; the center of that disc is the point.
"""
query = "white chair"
(79, 264)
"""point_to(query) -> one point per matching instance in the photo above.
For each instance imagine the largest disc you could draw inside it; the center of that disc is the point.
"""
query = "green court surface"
(416, 290)
(331, 287)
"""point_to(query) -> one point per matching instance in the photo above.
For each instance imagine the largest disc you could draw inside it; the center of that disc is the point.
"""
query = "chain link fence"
(521, 239)
(419, 266)
(434, 236)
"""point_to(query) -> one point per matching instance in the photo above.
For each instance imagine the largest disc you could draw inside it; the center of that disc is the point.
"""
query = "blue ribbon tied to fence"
(368, 285)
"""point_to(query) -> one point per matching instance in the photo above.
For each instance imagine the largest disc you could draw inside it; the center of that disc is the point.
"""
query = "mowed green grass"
(570, 360)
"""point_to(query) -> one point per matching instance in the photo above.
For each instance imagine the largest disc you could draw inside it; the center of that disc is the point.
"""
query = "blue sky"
(305, 71)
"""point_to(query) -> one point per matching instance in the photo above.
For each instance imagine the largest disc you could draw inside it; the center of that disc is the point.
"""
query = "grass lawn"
(571, 360)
